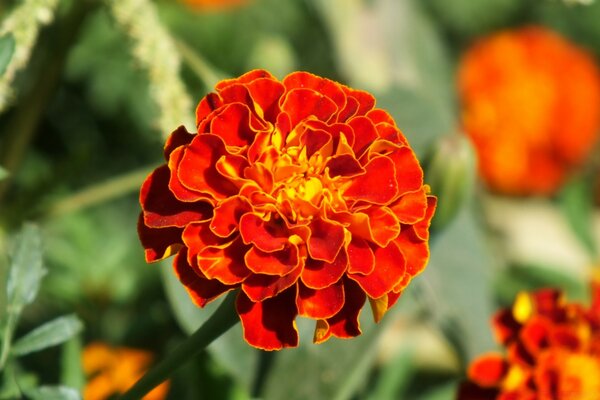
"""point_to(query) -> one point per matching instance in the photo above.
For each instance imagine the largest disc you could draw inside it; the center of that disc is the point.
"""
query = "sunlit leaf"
(53, 393)
(49, 334)
(7, 48)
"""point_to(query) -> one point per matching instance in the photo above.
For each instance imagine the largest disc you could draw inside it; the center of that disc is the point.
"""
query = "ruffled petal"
(232, 124)
(361, 259)
(322, 303)
(179, 137)
(259, 286)
(320, 274)
(300, 104)
(345, 324)
(267, 236)
(410, 208)
(488, 370)
(227, 215)
(278, 263)
(159, 243)
(224, 263)
(377, 186)
(269, 324)
(325, 241)
(390, 266)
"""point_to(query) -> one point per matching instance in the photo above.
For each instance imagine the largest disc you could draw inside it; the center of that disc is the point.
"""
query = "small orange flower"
(531, 105)
(113, 370)
(302, 194)
(553, 352)
(213, 4)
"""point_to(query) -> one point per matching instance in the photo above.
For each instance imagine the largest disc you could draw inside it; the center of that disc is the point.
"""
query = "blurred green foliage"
(97, 121)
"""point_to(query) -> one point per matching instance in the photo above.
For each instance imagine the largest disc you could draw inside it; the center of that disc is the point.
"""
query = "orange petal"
(361, 259)
(269, 324)
(161, 208)
(414, 249)
(201, 290)
(383, 224)
(488, 370)
(306, 80)
(158, 243)
(422, 227)
(364, 134)
(244, 79)
(259, 287)
(265, 93)
(345, 324)
(322, 303)
(197, 170)
(267, 236)
(227, 214)
(303, 103)
(411, 207)
(325, 241)
(390, 266)
(207, 105)
(197, 236)
(320, 274)
(225, 264)
(181, 192)
(365, 100)
(378, 185)
(232, 124)
(409, 174)
(278, 263)
(349, 110)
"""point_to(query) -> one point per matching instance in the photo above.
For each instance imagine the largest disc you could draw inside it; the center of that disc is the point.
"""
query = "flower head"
(300, 193)
(531, 105)
(113, 370)
(213, 4)
(553, 352)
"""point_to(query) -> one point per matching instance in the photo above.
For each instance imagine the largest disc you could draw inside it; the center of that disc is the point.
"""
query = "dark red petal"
(197, 171)
(317, 140)
(411, 207)
(303, 103)
(322, 303)
(227, 215)
(179, 137)
(344, 165)
(505, 327)
(225, 264)
(345, 324)
(320, 274)
(326, 240)
(278, 263)
(349, 109)
(259, 287)
(488, 370)
(158, 243)
(269, 324)
(409, 174)
(161, 208)
(470, 391)
(390, 267)
(265, 235)
(207, 105)
(378, 185)
(201, 290)
(364, 134)
(361, 259)
(232, 124)
(197, 236)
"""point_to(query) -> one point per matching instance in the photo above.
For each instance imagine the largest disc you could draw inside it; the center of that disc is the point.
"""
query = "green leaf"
(71, 373)
(577, 204)
(55, 332)
(3, 173)
(53, 393)
(394, 377)
(7, 48)
(26, 270)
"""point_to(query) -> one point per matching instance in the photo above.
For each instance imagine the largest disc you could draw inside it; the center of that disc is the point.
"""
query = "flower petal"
(344, 165)
(207, 105)
(364, 133)
(197, 170)
(225, 264)
(269, 324)
(322, 303)
(181, 192)
(488, 370)
(227, 215)
(345, 324)
(306, 80)
(390, 266)
(361, 259)
(320, 274)
(158, 243)
(411, 207)
(378, 185)
(267, 236)
(265, 93)
(409, 174)
(201, 290)
(259, 286)
(304, 103)
(278, 263)
(162, 209)
(326, 240)
(179, 137)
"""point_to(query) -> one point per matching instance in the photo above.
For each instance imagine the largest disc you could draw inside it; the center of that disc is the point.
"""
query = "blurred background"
(89, 90)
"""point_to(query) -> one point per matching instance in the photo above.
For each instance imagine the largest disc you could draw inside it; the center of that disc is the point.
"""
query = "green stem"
(219, 322)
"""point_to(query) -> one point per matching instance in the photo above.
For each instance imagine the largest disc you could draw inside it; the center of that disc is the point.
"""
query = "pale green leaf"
(7, 48)
(55, 332)
(577, 204)
(72, 373)
(3, 173)
(26, 270)
(53, 393)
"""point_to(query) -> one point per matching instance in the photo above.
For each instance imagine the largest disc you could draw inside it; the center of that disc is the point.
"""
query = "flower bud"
(450, 172)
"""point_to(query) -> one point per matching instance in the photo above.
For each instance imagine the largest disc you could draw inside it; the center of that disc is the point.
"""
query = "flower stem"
(219, 322)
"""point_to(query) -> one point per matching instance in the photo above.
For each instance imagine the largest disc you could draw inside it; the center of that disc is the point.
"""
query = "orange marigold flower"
(531, 105)
(113, 370)
(213, 4)
(553, 352)
(302, 194)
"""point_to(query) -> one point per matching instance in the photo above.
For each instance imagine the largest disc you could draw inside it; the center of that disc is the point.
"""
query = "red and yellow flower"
(113, 370)
(531, 105)
(213, 4)
(553, 352)
(301, 194)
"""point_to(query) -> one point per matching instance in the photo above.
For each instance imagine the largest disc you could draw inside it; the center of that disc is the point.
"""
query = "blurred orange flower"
(113, 370)
(213, 4)
(553, 352)
(299, 192)
(531, 104)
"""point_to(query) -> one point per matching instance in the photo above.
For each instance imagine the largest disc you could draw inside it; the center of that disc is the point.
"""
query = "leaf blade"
(52, 333)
